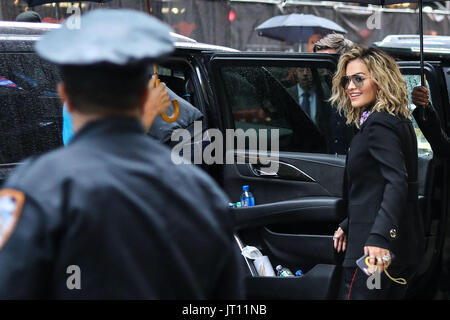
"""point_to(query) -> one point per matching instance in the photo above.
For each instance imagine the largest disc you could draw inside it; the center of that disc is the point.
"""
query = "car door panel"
(298, 205)
(426, 178)
(302, 250)
(426, 161)
(310, 209)
(298, 175)
(431, 171)
(317, 284)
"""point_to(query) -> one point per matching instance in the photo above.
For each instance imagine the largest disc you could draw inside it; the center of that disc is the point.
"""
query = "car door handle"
(263, 170)
(283, 171)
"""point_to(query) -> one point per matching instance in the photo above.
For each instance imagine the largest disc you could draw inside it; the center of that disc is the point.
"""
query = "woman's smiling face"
(364, 93)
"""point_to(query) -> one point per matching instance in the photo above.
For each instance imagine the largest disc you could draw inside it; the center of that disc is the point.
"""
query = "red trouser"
(354, 286)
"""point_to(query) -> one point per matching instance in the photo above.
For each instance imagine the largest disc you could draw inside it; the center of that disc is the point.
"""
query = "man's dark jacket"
(432, 130)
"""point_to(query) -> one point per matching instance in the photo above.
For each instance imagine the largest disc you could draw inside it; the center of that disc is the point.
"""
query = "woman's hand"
(340, 240)
(379, 258)
(157, 102)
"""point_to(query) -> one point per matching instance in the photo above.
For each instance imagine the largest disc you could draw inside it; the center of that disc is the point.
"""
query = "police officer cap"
(119, 37)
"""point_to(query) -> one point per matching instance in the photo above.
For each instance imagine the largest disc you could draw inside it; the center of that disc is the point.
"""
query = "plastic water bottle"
(284, 272)
(299, 273)
(247, 199)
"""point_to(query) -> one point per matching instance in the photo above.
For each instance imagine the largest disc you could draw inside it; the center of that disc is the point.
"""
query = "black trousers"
(355, 284)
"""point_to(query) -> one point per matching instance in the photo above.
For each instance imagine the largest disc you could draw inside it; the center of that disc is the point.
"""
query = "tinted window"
(30, 110)
(177, 76)
(291, 99)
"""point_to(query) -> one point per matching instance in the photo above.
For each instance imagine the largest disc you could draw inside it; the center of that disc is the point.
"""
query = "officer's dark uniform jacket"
(115, 205)
(381, 191)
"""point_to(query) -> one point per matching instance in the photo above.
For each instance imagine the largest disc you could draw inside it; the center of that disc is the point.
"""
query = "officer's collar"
(110, 124)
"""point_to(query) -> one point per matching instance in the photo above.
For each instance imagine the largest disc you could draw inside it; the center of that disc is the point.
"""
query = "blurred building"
(232, 22)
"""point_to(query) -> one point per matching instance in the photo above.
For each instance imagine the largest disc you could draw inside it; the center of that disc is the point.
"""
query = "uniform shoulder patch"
(11, 204)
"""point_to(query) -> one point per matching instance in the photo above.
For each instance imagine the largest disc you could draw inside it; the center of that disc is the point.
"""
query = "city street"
(241, 151)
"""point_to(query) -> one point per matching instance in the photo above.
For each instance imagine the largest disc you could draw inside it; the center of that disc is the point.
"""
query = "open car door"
(433, 180)
(294, 170)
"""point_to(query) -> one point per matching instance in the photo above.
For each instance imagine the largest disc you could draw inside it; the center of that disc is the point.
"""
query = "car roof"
(12, 31)
(407, 46)
(25, 28)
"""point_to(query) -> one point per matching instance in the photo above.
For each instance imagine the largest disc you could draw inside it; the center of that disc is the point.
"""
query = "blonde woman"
(381, 176)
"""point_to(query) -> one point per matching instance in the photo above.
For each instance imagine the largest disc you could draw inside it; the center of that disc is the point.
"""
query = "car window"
(423, 146)
(30, 110)
(290, 99)
(177, 76)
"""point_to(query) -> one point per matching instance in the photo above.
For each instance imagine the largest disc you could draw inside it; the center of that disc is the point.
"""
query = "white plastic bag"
(262, 263)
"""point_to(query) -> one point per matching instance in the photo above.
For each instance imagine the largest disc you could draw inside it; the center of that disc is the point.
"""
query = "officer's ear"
(61, 88)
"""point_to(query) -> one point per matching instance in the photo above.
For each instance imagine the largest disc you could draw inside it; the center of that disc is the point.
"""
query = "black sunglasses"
(357, 80)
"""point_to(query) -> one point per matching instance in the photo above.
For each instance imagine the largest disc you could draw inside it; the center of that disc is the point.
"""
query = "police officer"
(110, 216)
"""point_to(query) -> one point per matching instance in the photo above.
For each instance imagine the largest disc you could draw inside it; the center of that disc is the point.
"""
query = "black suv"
(298, 206)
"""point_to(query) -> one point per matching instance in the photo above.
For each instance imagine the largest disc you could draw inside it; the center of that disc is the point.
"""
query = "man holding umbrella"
(296, 27)
(311, 41)
(110, 216)
(430, 124)
(29, 16)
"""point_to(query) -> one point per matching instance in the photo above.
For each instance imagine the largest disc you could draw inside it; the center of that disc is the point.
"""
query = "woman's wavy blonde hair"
(392, 95)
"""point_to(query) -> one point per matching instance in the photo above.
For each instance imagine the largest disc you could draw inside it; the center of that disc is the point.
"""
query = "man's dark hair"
(29, 16)
(105, 88)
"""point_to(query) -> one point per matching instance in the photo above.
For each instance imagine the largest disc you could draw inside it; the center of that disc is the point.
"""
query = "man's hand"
(420, 96)
(157, 102)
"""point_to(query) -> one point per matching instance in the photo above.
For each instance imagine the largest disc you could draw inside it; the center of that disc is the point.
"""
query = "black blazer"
(432, 130)
(381, 191)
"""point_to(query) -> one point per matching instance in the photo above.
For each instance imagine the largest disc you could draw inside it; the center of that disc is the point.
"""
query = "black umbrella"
(420, 2)
(33, 3)
(296, 27)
